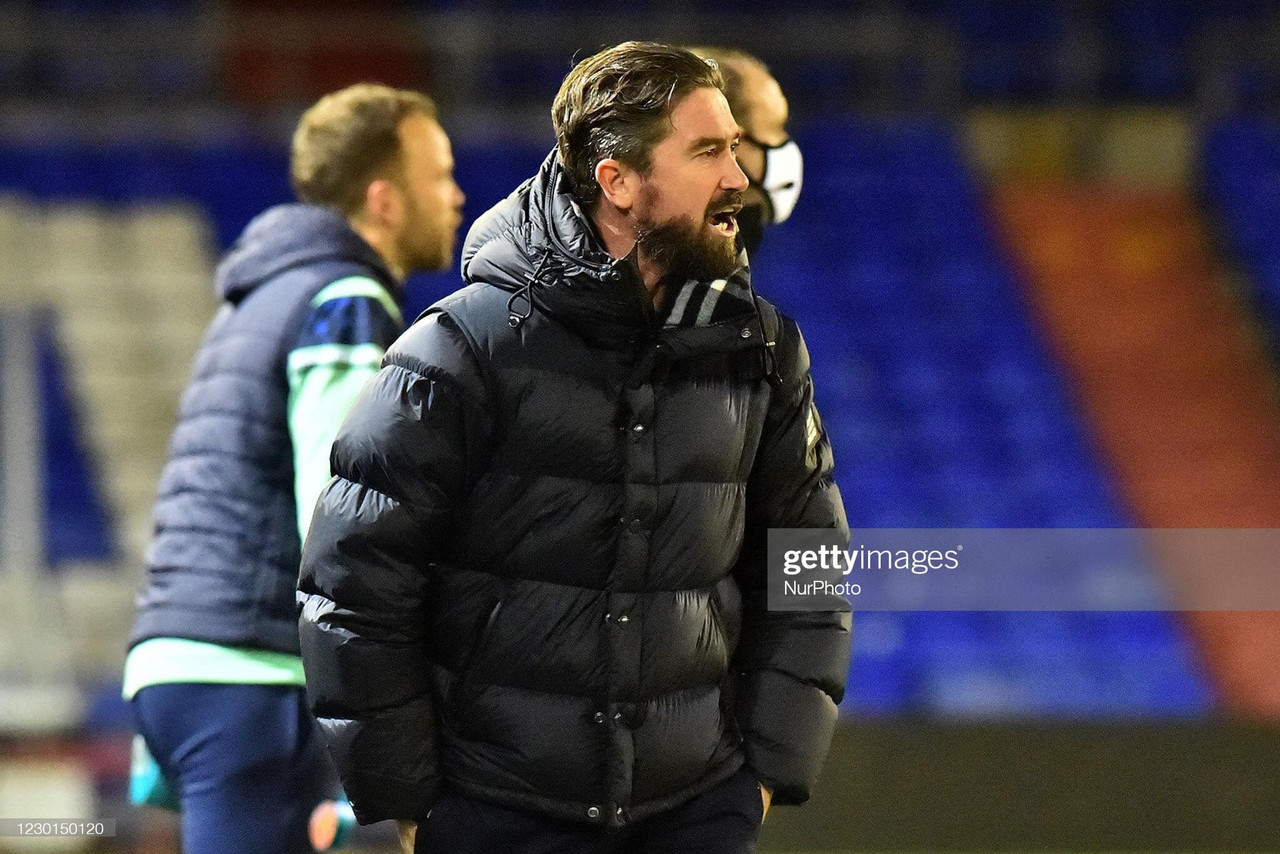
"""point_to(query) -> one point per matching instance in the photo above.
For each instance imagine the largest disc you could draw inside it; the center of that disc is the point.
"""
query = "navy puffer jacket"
(538, 577)
(223, 565)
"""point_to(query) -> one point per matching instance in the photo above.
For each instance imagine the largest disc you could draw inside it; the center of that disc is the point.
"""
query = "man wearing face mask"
(769, 158)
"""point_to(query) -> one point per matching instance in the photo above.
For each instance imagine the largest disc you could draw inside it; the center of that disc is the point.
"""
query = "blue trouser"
(245, 762)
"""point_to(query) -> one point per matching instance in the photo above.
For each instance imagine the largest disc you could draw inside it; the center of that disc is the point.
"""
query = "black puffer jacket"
(538, 577)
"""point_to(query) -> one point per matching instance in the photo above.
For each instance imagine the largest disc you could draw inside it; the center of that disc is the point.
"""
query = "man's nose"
(735, 178)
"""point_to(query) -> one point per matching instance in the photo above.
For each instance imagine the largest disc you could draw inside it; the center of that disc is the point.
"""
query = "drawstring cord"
(515, 319)
(770, 358)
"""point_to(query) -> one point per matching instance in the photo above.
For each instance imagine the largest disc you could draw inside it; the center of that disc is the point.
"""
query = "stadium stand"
(1178, 389)
(110, 372)
(947, 410)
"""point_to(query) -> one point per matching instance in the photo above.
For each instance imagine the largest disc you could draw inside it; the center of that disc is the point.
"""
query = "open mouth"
(725, 222)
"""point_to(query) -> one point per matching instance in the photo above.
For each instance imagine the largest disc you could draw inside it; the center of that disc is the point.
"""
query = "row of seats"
(1114, 50)
(232, 179)
(1008, 51)
(1241, 181)
(1148, 49)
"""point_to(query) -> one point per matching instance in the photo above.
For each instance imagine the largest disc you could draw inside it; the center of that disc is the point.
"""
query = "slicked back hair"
(617, 105)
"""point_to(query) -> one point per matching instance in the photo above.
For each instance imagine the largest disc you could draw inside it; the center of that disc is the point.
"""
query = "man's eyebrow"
(704, 142)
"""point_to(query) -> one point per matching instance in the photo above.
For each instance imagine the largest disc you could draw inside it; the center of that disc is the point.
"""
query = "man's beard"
(751, 224)
(420, 248)
(689, 249)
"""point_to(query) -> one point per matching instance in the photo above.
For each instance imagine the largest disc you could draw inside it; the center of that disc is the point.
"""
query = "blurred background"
(1036, 260)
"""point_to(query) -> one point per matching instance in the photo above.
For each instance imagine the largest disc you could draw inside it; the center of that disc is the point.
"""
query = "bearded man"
(534, 594)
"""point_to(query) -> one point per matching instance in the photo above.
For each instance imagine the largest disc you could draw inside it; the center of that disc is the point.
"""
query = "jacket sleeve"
(791, 666)
(402, 461)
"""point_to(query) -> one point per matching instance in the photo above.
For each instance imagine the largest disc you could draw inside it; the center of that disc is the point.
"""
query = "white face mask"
(783, 175)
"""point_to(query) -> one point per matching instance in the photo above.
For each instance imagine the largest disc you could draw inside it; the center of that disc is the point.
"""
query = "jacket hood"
(288, 236)
(539, 218)
(539, 245)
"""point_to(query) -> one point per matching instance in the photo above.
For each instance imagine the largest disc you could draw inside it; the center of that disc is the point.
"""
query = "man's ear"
(382, 201)
(618, 182)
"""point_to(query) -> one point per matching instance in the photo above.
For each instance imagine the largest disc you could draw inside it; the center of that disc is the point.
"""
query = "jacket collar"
(538, 245)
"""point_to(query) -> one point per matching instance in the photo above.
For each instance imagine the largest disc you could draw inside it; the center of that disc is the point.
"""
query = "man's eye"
(710, 152)
(734, 147)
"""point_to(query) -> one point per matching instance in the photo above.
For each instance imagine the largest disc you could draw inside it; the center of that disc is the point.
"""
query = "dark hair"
(731, 62)
(349, 138)
(617, 104)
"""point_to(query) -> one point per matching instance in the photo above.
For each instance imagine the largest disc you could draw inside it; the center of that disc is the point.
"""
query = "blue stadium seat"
(146, 173)
(1241, 173)
(236, 180)
(997, 22)
(77, 523)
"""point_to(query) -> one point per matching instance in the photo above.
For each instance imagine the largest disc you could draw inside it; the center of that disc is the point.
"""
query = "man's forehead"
(703, 113)
(424, 134)
(422, 127)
